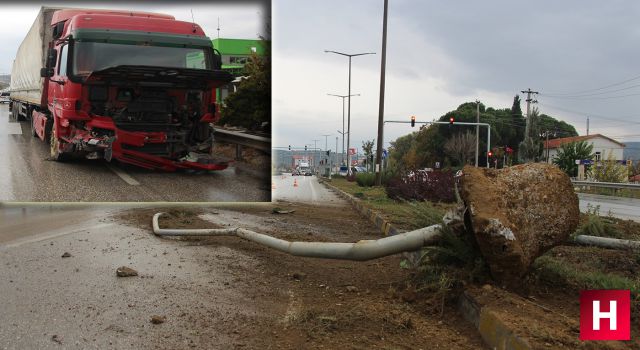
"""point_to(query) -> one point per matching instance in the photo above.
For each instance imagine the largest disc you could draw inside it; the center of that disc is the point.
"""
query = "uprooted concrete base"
(517, 214)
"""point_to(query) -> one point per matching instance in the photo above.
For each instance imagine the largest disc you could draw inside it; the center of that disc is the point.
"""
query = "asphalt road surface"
(301, 189)
(51, 302)
(27, 175)
(619, 207)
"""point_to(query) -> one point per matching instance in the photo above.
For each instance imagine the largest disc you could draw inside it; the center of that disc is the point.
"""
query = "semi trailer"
(135, 87)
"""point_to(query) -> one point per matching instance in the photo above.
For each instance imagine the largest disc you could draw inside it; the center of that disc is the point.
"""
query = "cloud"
(441, 54)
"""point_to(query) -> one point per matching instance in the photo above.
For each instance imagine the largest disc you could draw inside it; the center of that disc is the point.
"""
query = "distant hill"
(632, 151)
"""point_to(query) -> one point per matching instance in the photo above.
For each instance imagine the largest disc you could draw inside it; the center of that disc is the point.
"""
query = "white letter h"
(611, 315)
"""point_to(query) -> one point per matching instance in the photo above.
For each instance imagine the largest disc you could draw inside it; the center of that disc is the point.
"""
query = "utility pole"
(378, 163)
(587, 126)
(477, 130)
(529, 100)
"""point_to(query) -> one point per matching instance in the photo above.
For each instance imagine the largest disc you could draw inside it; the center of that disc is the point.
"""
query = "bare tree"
(461, 147)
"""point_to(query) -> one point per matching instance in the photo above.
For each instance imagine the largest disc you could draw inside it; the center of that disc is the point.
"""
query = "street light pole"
(349, 103)
(342, 132)
(315, 151)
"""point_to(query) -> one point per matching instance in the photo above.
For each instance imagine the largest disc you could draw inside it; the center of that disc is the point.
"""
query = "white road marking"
(124, 176)
(13, 129)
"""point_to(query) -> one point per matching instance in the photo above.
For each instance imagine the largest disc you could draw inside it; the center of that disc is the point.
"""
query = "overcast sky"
(238, 20)
(443, 53)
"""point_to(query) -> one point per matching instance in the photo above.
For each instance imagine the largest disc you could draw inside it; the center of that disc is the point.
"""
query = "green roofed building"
(235, 54)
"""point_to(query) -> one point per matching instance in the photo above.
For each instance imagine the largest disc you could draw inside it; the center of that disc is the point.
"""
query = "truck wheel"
(54, 144)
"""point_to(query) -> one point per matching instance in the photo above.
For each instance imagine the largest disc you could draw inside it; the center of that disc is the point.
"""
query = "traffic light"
(490, 154)
(305, 147)
(289, 147)
(451, 120)
(328, 152)
(413, 121)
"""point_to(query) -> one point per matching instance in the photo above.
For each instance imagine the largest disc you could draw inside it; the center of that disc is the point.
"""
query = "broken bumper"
(122, 146)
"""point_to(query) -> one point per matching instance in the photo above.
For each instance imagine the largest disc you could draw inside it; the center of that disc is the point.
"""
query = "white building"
(602, 146)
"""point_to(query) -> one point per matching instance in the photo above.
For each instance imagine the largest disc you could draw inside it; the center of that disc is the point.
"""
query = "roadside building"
(602, 146)
(235, 54)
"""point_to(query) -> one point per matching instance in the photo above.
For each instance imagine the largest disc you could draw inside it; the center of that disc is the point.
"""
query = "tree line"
(454, 145)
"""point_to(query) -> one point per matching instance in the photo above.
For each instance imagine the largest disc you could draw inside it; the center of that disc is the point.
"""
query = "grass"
(404, 215)
(552, 271)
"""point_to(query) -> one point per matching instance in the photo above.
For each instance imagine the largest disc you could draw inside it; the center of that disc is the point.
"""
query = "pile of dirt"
(316, 303)
(517, 214)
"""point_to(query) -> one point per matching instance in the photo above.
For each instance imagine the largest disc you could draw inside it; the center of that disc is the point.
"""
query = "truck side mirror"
(217, 60)
(52, 54)
(46, 72)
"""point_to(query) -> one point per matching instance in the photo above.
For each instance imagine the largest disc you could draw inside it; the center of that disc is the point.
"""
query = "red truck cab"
(132, 86)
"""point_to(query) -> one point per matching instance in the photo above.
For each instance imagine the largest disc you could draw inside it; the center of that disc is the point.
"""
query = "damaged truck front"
(132, 86)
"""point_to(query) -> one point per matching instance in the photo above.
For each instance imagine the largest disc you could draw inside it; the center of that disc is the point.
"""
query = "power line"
(591, 98)
(592, 115)
(592, 94)
(600, 88)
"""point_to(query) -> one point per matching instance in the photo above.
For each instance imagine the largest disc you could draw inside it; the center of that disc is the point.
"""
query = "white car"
(4, 97)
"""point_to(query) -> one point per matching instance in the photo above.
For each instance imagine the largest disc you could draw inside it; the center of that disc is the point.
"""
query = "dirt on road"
(303, 303)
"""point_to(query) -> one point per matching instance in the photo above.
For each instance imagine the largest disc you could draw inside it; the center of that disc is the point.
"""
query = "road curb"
(385, 227)
(495, 333)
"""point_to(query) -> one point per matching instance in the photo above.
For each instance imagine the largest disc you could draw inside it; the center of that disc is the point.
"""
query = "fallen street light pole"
(359, 251)
(460, 123)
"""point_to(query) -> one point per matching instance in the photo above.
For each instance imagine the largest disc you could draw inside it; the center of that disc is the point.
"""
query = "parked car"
(4, 97)
(358, 169)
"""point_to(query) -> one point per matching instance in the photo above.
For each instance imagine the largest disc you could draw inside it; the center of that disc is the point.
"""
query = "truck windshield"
(89, 57)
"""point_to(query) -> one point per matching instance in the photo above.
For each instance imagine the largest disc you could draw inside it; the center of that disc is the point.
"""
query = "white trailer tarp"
(26, 83)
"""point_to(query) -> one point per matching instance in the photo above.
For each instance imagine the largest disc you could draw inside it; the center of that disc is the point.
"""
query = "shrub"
(365, 179)
(438, 186)
(597, 225)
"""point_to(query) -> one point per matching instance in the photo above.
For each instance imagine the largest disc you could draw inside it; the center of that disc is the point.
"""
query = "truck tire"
(54, 146)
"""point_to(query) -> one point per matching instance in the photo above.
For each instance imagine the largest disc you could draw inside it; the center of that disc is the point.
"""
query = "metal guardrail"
(606, 184)
(241, 139)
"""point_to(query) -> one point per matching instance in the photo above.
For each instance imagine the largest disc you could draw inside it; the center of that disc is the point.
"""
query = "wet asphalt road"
(27, 175)
(50, 302)
(308, 190)
(619, 207)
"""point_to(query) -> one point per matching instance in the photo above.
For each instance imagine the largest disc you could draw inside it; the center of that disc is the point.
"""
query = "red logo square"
(605, 315)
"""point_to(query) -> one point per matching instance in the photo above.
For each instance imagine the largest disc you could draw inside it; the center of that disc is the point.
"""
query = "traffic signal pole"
(413, 121)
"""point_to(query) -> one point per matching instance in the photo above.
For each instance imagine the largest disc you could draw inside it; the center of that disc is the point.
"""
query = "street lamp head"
(349, 55)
